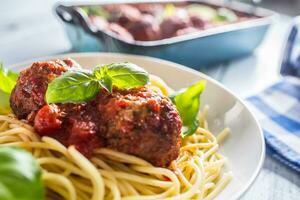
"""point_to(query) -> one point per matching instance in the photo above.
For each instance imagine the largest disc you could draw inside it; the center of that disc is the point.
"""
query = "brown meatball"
(120, 31)
(137, 121)
(142, 123)
(198, 22)
(145, 29)
(28, 96)
(170, 25)
(123, 14)
(102, 24)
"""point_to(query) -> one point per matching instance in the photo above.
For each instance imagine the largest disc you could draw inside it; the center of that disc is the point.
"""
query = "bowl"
(207, 47)
(244, 148)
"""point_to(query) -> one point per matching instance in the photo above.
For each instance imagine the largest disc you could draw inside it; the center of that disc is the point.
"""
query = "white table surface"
(28, 29)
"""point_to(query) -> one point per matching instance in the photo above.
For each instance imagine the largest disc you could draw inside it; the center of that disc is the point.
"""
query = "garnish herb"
(20, 175)
(80, 85)
(187, 102)
(203, 11)
(225, 15)
(4, 103)
(95, 10)
(123, 75)
(8, 80)
(73, 86)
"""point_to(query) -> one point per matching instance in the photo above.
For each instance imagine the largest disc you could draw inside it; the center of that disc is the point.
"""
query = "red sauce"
(71, 125)
(47, 120)
(138, 122)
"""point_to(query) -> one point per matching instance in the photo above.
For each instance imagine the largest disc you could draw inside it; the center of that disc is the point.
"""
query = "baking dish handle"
(291, 59)
(75, 16)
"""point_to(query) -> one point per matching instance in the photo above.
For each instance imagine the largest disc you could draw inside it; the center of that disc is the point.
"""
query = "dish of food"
(156, 21)
(116, 132)
(89, 32)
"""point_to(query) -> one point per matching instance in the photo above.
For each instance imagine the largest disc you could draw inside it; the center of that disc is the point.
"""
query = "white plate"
(244, 148)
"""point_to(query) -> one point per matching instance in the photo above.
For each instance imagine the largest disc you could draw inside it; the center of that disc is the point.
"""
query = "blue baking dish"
(205, 47)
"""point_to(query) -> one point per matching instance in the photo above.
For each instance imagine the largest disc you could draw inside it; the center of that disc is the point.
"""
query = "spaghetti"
(196, 174)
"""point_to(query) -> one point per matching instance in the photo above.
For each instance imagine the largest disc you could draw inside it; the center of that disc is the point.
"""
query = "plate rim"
(258, 168)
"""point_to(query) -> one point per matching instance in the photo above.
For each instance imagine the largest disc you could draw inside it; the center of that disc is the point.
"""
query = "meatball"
(123, 14)
(28, 96)
(120, 31)
(115, 28)
(145, 29)
(170, 25)
(137, 121)
(198, 22)
(142, 123)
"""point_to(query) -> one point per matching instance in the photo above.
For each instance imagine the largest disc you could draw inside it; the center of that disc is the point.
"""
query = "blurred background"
(32, 25)
(30, 29)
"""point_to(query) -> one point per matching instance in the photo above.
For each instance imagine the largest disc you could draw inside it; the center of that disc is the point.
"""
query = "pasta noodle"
(196, 174)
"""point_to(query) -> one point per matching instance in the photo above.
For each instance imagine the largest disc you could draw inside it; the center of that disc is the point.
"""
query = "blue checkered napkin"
(278, 110)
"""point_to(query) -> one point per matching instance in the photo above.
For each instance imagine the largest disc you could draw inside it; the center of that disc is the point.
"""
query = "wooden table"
(28, 29)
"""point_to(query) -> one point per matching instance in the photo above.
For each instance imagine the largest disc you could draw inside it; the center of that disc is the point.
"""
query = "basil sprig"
(80, 85)
(187, 102)
(8, 80)
(96, 10)
(225, 15)
(123, 75)
(20, 175)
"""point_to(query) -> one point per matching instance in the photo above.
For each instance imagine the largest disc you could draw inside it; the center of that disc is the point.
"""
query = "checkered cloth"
(278, 111)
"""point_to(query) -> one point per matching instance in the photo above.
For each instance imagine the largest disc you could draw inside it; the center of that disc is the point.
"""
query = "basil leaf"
(106, 83)
(8, 80)
(4, 103)
(96, 10)
(74, 86)
(206, 13)
(187, 102)
(20, 175)
(123, 75)
(225, 15)
(80, 85)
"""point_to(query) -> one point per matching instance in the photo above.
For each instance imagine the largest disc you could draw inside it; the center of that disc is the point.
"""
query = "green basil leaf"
(225, 15)
(74, 86)
(106, 83)
(187, 102)
(80, 85)
(20, 175)
(96, 10)
(4, 103)
(123, 75)
(205, 12)
(8, 80)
